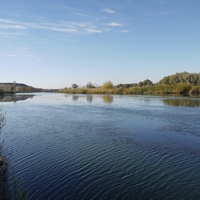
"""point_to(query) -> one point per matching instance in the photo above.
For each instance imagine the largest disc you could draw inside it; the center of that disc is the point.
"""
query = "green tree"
(107, 85)
(184, 77)
(146, 82)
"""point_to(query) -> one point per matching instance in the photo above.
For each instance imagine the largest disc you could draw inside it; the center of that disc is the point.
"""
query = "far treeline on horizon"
(179, 83)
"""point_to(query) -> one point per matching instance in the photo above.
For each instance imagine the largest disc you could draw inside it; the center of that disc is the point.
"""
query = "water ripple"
(122, 151)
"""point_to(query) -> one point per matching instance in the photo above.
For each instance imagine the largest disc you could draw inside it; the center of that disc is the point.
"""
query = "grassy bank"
(185, 89)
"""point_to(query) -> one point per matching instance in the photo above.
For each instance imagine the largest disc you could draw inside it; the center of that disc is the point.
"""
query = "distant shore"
(182, 89)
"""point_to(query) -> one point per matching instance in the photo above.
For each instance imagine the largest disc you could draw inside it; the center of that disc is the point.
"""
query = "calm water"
(103, 147)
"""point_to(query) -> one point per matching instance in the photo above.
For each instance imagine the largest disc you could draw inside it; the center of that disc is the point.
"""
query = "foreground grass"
(155, 89)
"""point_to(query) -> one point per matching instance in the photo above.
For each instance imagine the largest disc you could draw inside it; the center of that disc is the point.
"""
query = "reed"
(19, 192)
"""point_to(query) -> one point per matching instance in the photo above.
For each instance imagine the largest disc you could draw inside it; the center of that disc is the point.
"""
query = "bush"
(194, 90)
(107, 85)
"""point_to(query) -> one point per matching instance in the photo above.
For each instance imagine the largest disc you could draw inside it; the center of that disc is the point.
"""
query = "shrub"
(107, 85)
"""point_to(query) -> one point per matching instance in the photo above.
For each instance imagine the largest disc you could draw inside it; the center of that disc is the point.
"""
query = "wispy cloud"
(23, 52)
(91, 30)
(108, 11)
(31, 56)
(62, 26)
(12, 26)
(80, 14)
(70, 27)
(71, 10)
(55, 28)
(114, 24)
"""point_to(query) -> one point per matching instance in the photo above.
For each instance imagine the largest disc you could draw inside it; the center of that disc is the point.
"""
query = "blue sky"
(55, 43)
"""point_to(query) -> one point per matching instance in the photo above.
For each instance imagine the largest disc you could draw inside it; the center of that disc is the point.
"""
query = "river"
(63, 146)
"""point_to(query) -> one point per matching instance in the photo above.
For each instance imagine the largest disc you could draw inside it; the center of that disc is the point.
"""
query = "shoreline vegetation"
(179, 84)
(12, 88)
(183, 89)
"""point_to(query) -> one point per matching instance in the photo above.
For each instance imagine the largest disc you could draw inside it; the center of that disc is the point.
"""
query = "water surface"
(104, 147)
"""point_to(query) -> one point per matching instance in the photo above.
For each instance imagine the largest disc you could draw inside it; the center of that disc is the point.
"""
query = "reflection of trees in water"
(75, 98)
(89, 98)
(14, 98)
(182, 102)
(107, 98)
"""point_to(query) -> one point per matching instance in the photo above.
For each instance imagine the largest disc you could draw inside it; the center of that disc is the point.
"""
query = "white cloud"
(108, 11)
(114, 24)
(56, 28)
(91, 30)
(62, 26)
(71, 27)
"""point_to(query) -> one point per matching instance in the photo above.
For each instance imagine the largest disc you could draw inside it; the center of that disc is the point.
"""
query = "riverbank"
(184, 89)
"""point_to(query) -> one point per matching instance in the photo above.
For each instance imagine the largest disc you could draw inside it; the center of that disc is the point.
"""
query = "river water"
(102, 147)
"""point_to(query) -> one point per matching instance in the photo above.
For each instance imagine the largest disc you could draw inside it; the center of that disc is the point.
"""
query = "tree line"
(179, 83)
(178, 78)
